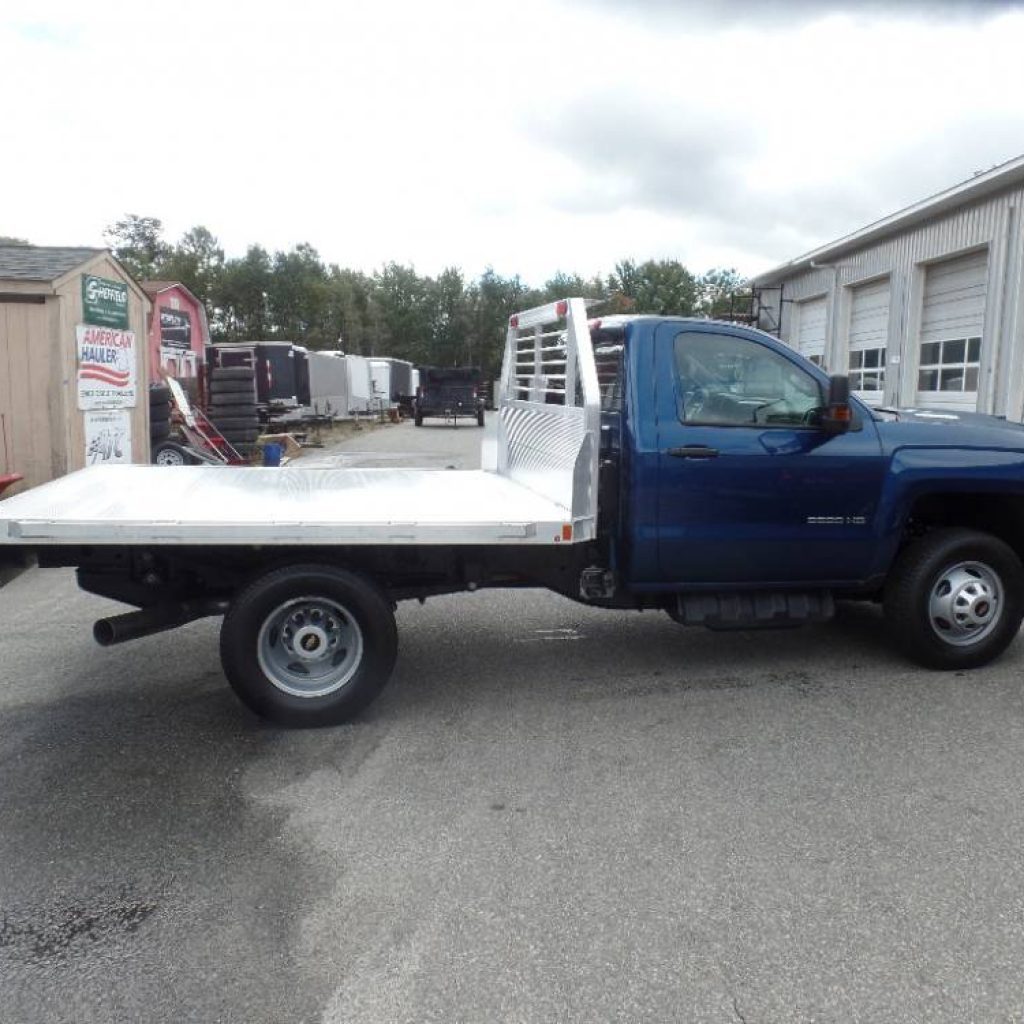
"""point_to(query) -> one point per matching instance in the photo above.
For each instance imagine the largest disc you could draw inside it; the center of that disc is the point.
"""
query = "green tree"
(297, 295)
(451, 341)
(661, 287)
(402, 308)
(720, 290)
(138, 244)
(197, 261)
(241, 309)
(13, 240)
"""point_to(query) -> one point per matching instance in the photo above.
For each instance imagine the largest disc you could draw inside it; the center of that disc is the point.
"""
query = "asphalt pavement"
(552, 814)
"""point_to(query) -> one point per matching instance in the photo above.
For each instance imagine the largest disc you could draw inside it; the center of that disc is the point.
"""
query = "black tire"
(233, 387)
(233, 398)
(955, 599)
(159, 431)
(235, 422)
(233, 412)
(258, 657)
(170, 453)
(159, 394)
(219, 374)
(479, 417)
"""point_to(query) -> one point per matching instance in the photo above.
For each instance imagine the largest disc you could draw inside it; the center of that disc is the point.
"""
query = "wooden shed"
(74, 362)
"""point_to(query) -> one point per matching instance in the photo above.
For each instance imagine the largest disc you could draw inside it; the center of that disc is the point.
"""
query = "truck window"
(608, 362)
(728, 381)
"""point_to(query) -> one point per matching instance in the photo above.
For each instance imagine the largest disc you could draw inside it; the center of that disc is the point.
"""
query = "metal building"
(921, 308)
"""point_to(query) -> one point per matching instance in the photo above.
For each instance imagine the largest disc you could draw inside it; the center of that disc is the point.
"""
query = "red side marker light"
(566, 531)
(562, 308)
(513, 321)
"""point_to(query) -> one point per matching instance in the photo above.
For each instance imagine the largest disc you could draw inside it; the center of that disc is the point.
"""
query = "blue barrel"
(272, 454)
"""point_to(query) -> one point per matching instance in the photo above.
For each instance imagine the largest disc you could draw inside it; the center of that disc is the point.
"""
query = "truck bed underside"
(213, 505)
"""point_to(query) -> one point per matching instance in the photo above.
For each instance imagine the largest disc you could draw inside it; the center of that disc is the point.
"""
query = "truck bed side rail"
(549, 410)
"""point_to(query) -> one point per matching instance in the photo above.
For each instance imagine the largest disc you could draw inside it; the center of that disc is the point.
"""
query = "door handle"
(693, 451)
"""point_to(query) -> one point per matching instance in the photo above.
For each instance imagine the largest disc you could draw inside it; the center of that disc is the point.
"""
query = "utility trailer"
(307, 564)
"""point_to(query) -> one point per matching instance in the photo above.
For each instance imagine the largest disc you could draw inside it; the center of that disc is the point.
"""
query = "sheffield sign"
(104, 302)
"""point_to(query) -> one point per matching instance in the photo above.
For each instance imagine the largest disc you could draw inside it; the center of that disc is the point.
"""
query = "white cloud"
(531, 137)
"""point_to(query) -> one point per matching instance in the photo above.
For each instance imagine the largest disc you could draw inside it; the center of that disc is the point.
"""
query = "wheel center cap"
(310, 642)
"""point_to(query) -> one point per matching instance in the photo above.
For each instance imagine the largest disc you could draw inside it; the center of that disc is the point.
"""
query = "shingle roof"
(153, 288)
(41, 262)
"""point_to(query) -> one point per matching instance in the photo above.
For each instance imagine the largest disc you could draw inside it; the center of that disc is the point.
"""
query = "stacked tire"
(159, 414)
(164, 447)
(232, 406)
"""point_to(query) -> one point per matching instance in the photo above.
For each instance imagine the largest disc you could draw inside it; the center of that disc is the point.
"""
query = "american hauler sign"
(104, 302)
(106, 368)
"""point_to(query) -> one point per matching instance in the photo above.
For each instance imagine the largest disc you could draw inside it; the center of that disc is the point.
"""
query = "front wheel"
(955, 599)
(309, 645)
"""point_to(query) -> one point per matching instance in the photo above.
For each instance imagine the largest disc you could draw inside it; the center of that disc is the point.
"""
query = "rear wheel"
(309, 645)
(170, 454)
(955, 599)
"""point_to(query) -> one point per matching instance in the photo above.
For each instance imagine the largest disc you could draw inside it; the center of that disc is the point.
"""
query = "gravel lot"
(553, 814)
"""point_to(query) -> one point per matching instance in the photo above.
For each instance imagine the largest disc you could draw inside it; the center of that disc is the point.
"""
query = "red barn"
(178, 331)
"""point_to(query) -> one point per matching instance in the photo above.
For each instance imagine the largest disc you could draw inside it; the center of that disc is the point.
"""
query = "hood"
(944, 427)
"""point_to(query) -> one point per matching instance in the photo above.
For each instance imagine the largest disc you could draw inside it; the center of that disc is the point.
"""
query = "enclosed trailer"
(360, 384)
(401, 380)
(380, 376)
(276, 378)
(328, 385)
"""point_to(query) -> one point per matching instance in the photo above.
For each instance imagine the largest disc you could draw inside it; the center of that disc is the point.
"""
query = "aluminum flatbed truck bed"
(306, 565)
(293, 506)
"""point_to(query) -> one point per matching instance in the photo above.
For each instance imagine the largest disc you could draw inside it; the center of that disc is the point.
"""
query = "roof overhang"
(981, 186)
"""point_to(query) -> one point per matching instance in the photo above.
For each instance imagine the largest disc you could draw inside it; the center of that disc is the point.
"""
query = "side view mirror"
(838, 415)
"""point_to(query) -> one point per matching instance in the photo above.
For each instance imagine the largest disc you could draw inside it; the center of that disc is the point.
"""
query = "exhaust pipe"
(146, 621)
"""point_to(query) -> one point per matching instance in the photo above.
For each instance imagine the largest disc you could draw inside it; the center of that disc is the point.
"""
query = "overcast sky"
(531, 136)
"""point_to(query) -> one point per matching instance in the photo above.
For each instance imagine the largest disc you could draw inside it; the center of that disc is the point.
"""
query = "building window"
(867, 369)
(950, 365)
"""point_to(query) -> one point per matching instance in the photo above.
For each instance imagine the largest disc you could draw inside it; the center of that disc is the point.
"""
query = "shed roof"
(42, 262)
(154, 288)
(1004, 176)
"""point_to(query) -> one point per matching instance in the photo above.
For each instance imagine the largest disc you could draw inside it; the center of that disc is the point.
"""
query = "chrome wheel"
(966, 603)
(170, 457)
(310, 647)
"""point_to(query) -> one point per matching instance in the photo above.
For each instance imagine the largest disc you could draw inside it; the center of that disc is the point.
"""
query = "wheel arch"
(1000, 515)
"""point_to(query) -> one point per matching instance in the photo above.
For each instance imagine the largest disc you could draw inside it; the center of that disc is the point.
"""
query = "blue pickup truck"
(699, 468)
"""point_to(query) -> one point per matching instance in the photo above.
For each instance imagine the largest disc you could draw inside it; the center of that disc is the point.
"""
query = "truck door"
(749, 488)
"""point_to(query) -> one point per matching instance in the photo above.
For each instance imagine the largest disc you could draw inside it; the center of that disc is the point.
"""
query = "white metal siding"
(811, 319)
(995, 223)
(869, 332)
(953, 317)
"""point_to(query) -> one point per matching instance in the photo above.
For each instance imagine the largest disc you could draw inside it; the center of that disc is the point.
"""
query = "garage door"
(810, 329)
(951, 322)
(869, 331)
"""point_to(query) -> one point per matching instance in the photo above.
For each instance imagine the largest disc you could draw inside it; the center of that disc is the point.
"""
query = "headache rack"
(549, 409)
